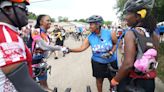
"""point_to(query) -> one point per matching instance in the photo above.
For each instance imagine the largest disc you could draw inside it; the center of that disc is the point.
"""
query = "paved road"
(74, 71)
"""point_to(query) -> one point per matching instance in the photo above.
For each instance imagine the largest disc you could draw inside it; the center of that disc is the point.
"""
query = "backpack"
(146, 55)
(145, 47)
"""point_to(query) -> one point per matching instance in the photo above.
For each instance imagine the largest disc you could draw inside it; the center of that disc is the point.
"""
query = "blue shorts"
(42, 77)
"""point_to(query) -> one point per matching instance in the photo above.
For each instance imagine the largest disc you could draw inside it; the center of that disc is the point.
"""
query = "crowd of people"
(22, 50)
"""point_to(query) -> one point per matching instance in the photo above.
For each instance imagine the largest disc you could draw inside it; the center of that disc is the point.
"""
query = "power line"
(40, 1)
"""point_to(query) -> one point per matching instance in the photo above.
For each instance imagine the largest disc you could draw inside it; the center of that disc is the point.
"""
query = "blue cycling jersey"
(101, 44)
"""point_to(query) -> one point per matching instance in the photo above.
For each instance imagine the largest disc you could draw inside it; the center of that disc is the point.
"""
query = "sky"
(75, 9)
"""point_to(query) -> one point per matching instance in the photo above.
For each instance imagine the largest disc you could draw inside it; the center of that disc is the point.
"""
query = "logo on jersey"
(11, 51)
(102, 47)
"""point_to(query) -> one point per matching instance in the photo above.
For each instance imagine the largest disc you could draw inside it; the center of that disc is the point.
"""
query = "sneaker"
(56, 58)
(63, 55)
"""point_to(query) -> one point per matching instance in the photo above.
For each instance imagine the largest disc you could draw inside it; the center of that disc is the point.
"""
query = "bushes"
(160, 69)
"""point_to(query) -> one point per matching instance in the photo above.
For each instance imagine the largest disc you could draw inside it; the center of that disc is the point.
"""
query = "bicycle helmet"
(135, 5)
(13, 3)
(95, 19)
(17, 1)
(21, 1)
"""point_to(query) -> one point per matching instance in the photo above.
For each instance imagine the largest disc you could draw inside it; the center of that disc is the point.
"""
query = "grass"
(160, 69)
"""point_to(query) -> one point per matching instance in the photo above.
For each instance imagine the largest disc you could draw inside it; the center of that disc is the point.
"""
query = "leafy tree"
(63, 19)
(120, 5)
(75, 20)
(52, 19)
(60, 18)
(157, 10)
(32, 15)
(107, 22)
(82, 20)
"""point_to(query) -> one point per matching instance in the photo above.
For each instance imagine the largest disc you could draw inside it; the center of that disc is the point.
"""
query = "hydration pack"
(146, 55)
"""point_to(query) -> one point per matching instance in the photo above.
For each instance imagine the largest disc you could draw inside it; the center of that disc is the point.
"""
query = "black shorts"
(59, 42)
(102, 71)
(63, 38)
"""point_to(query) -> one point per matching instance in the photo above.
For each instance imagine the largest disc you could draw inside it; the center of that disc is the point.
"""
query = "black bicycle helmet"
(4, 3)
(135, 5)
(95, 19)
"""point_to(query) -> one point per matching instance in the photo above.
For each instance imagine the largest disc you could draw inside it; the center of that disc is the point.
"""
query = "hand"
(65, 50)
(113, 82)
(106, 55)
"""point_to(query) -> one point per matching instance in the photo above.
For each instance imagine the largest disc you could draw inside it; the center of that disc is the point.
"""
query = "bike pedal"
(68, 90)
(88, 89)
(55, 89)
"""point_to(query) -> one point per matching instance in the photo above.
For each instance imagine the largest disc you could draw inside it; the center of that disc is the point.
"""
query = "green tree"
(52, 19)
(32, 15)
(82, 20)
(75, 20)
(157, 10)
(60, 18)
(107, 22)
(63, 19)
(120, 5)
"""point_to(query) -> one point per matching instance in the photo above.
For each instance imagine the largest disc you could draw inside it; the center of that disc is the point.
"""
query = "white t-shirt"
(5, 84)
(12, 50)
(63, 32)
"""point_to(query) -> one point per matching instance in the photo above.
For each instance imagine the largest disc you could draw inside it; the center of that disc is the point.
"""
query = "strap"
(119, 39)
(140, 52)
(16, 15)
(140, 41)
(8, 17)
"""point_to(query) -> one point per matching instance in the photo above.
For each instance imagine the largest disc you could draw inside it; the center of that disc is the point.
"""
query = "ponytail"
(149, 22)
(38, 20)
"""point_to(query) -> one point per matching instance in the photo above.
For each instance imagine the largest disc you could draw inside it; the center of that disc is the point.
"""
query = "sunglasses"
(22, 6)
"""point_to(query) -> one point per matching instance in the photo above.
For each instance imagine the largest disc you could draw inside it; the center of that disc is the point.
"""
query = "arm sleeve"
(41, 43)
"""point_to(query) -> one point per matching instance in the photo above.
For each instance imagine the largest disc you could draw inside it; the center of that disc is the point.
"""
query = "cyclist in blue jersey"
(103, 44)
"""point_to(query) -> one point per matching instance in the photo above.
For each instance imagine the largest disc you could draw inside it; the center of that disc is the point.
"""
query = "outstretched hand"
(65, 50)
